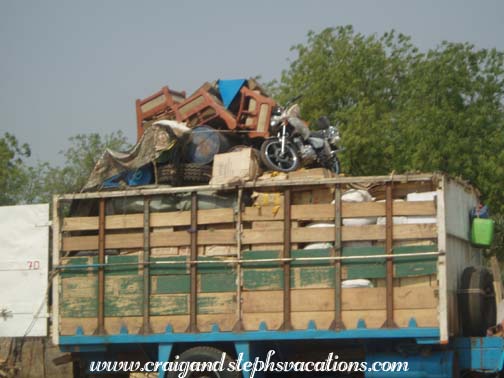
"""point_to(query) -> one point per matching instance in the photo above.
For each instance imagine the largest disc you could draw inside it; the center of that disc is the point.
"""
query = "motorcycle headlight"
(333, 135)
(335, 139)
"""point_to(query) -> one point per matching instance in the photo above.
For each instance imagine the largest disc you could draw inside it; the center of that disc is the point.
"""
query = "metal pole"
(338, 319)
(239, 315)
(101, 270)
(146, 270)
(193, 302)
(286, 263)
(389, 245)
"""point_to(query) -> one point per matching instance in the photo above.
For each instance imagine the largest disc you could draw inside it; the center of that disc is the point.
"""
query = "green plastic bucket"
(482, 232)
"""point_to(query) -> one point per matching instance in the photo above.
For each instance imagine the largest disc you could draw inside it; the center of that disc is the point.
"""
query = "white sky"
(69, 67)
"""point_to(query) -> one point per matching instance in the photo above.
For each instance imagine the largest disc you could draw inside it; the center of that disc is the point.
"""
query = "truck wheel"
(205, 354)
(477, 301)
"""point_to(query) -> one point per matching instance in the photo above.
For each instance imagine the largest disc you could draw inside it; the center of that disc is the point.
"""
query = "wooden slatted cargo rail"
(242, 265)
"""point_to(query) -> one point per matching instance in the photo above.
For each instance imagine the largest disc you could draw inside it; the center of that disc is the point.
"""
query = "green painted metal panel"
(218, 304)
(257, 255)
(312, 277)
(79, 272)
(369, 268)
(124, 305)
(121, 270)
(169, 304)
(263, 279)
(416, 266)
(218, 283)
(123, 285)
(78, 307)
(172, 284)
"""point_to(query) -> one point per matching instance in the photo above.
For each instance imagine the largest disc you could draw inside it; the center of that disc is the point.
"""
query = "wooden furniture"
(160, 105)
(204, 107)
(255, 112)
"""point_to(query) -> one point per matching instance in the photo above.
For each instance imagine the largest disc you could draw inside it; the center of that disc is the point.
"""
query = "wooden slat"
(80, 223)
(312, 212)
(424, 208)
(362, 209)
(250, 236)
(158, 239)
(168, 219)
(263, 213)
(427, 317)
(326, 234)
(415, 231)
(420, 297)
(416, 182)
(349, 210)
(207, 321)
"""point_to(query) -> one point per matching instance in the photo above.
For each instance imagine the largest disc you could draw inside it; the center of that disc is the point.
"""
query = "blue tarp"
(229, 89)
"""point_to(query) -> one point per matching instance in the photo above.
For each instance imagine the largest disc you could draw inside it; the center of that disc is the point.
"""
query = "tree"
(356, 80)
(21, 183)
(80, 159)
(403, 110)
(13, 170)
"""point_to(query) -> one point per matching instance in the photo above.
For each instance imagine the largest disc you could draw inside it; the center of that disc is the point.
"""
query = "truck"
(276, 269)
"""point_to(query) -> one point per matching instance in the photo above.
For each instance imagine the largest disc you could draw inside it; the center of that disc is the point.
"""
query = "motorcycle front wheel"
(272, 157)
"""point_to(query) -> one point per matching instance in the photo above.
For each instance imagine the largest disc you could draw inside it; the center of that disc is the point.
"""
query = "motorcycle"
(294, 145)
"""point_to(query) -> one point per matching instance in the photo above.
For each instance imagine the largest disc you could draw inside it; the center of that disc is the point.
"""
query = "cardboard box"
(239, 166)
(315, 196)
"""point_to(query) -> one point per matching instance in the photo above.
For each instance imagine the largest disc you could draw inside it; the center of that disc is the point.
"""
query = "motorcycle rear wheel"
(272, 157)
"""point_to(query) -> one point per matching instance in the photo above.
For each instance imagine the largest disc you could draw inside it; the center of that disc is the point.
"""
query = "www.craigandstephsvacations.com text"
(269, 364)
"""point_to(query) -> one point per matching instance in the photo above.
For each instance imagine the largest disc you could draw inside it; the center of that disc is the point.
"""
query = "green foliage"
(403, 110)
(13, 170)
(21, 183)
(80, 159)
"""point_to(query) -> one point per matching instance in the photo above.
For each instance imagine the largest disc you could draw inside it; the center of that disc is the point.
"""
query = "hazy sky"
(71, 67)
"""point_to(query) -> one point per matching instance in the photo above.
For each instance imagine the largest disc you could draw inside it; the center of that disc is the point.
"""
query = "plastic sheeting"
(174, 202)
(155, 140)
(229, 89)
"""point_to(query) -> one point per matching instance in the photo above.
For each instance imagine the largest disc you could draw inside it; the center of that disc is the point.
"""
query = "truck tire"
(477, 301)
(204, 354)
